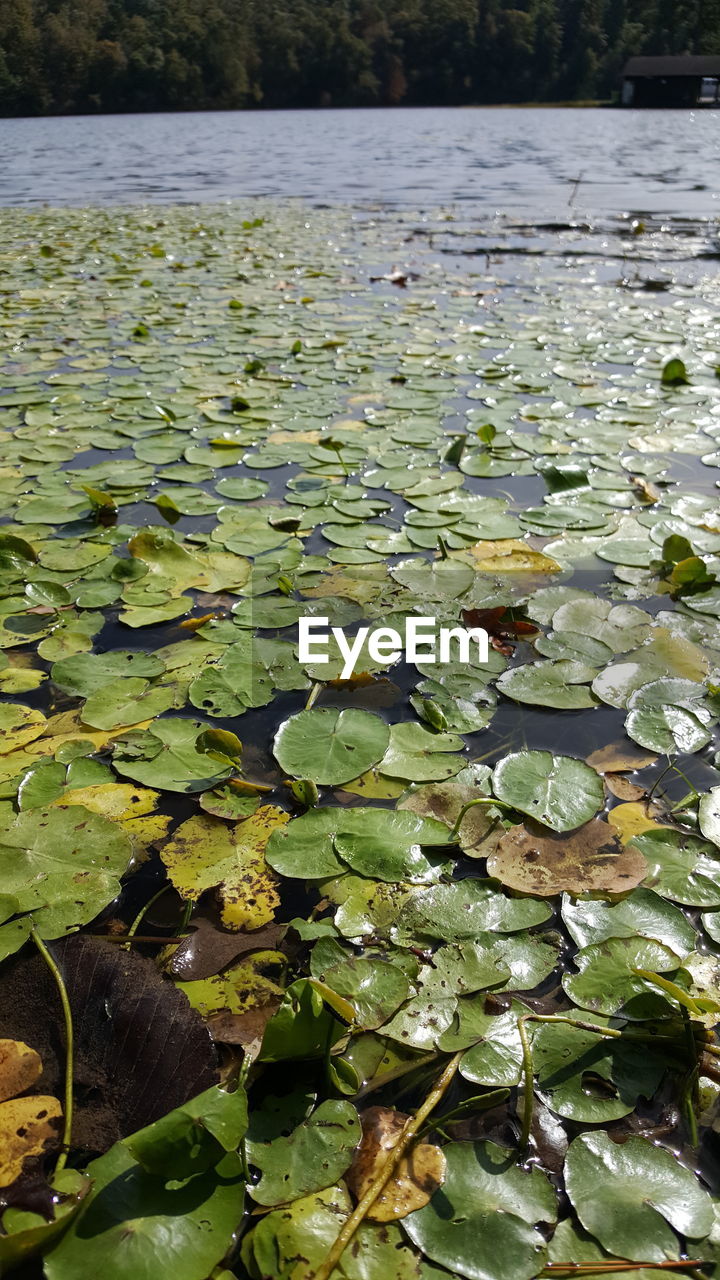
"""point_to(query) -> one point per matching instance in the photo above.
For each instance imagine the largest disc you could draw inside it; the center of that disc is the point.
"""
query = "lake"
(534, 163)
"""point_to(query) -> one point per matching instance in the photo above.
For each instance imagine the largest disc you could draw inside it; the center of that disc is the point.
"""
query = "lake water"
(533, 163)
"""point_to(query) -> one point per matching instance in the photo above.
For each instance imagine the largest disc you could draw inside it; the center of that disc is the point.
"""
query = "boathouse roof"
(684, 65)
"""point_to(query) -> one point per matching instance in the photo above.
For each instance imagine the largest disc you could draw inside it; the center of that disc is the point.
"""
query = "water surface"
(536, 163)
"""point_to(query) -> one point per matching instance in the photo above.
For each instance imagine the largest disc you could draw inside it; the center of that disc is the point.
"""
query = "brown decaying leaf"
(502, 626)
(620, 757)
(20, 1067)
(589, 860)
(417, 1177)
(27, 1127)
(246, 1029)
(208, 950)
(140, 1049)
(623, 788)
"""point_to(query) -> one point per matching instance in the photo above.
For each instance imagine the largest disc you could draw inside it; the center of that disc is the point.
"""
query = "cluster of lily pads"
(474, 905)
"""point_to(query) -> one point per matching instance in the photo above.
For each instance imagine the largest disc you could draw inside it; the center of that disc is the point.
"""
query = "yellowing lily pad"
(205, 853)
(18, 726)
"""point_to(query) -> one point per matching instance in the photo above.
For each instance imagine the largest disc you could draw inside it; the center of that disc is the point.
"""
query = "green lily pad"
(680, 867)
(167, 756)
(134, 1223)
(373, 985)
(558, 791)
(417, 755)
(386, 845)
(560, 684)
(606, 981)
(330, 747)
(311, 1158)
(483, 1221)
(631, 1196)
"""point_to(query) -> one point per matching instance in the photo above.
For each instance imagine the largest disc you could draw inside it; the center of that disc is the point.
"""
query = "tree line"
(63, 56)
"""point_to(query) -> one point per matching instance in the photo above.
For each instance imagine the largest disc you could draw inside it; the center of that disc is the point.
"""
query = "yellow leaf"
(115, 800)
(19, 725)
(238, 990)
(373, 786)
(630, 820)
(417, 1177)
(150, 829)
(508, 555)
(204, 853)
(20, 1067)
(26, 1126)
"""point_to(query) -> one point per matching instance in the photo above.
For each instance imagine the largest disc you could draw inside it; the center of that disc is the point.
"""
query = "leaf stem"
(387, 1168)
(614, 1267)
(142, 913)
(690, 1090)
(69, 1047)
(498, 804)
(529, 1085)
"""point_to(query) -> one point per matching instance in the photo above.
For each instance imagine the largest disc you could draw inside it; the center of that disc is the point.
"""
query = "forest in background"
(64, 56)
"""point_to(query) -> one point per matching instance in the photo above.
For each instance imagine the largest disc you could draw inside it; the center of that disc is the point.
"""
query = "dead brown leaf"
(417, 1177)
(479, 833)
(246, 1029)
(208, 950)
(620, 757)
(623, 788)
(589, 860)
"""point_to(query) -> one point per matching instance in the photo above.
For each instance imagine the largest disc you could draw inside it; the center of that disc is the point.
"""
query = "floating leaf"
(558, 791)
(589, 860)
(27, 1127)
(560, 684)
(417, 755)
(607, 981)
(204, 853)
(312, 1157)
(20, 1067)
(18, 726)
(482, 1223)
(373, 985)
(133, 1223)
(168, 757)
(416, 1178)
(680, 866)
(709, 815)
(330, 747)
(630, 1196)
(383, 845)
(62, 864)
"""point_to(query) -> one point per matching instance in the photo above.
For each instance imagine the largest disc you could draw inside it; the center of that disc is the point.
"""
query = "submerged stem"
(387, 1168)
(69, 1047)
(143, 912)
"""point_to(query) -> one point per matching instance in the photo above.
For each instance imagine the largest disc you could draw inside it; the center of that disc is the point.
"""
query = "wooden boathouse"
(684, 81)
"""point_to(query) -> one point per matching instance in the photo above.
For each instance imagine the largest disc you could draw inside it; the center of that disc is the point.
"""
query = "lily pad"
(558, 791)
(483, 1221)
(330, 747)
(631, 1196)
(312, 1157)
(590, 859)
(417, 755)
